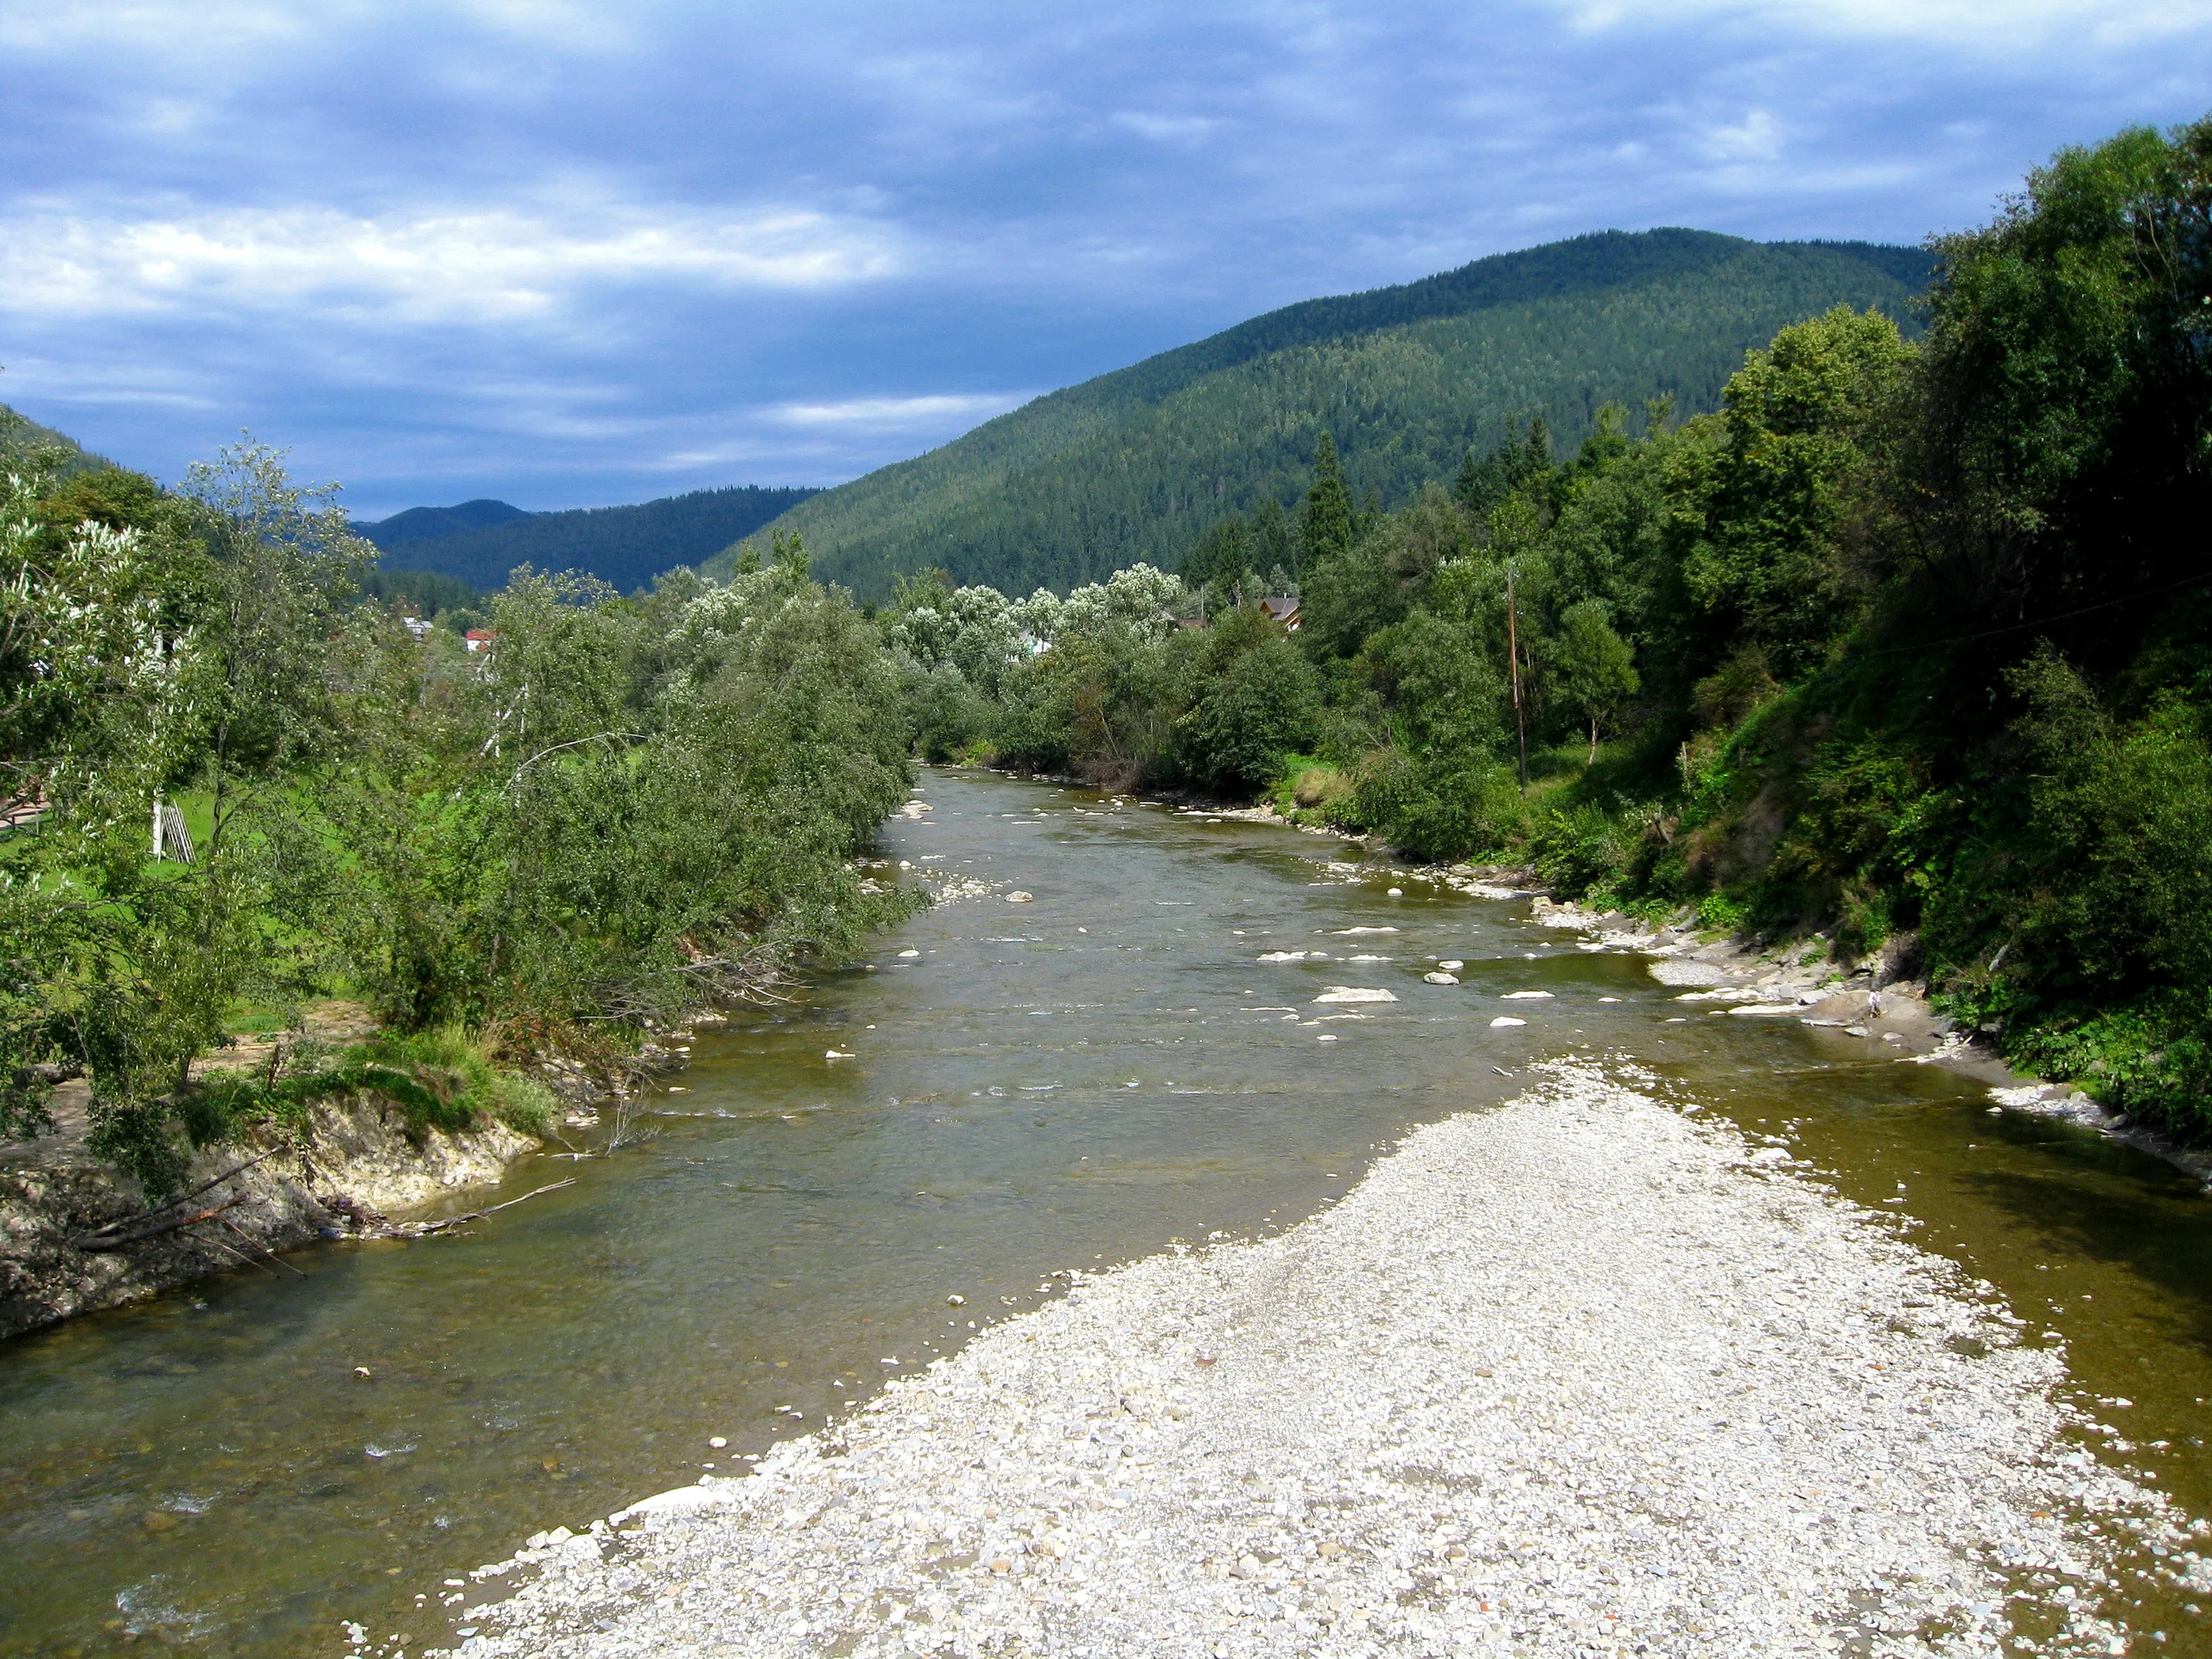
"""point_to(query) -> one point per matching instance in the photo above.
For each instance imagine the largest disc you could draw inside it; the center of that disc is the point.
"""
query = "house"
(417, 628)
(480, 640)
(1284, 611)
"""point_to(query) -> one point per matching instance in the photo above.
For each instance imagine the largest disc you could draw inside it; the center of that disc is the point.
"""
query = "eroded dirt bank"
(355, 1164)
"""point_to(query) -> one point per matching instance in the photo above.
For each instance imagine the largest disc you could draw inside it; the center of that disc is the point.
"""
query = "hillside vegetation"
(428, 523)
(1135, 465)
(624, 809)
(625, 547)
(1908, 645)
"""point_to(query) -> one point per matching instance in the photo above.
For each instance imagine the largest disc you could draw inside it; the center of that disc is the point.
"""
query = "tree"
(1770, 509)
(1516, 461)
(1325, 521)
(1274, 538)
(182, 646)
(1596, 663)
(1254, 702)
(1222, 560)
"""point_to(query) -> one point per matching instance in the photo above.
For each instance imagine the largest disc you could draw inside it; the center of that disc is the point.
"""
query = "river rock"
(1568, 1376)
(1440, 978)
(1018, 897)
(1356, 994)
(1675, 970)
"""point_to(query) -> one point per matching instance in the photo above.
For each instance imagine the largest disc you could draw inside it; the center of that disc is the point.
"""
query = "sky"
(567, 255)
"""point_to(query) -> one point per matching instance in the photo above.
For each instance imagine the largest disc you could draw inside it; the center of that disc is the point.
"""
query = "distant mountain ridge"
(424, 523)
(1140, 462)
(624, 546)
(20, 434)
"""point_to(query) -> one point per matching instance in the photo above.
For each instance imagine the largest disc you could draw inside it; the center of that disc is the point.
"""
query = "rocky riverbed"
(1582, 1374)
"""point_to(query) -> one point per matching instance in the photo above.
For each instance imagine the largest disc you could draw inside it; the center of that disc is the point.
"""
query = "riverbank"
(355, 1166)
(1580, 1374)
(1871, 1000)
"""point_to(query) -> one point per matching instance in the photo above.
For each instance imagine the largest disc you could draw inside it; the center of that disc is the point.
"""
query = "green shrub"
(2151, 1059)
(1579, 849)
(1439, 809)
(1718, 913)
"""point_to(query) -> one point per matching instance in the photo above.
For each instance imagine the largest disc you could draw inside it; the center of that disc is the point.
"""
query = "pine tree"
(1274, 538)
(1326, 525)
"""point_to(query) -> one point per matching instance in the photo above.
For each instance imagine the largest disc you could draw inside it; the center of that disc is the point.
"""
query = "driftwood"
(125, 1231)
(115, 1242)
(426, 1229)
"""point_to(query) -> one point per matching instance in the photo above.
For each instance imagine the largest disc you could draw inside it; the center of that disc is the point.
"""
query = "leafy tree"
(170, 647)
(1255, 700)
(1597, 664)
(1768, 513)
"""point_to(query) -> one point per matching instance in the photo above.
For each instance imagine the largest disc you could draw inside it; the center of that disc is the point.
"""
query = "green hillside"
(427, 523)
(1137, 464)
(626, 546)
(22, 435)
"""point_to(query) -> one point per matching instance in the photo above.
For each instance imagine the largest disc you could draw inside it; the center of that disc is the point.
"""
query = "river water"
(1032, 1088)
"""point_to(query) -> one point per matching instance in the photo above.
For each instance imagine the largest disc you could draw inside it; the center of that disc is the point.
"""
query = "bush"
(1579, 849)
(1436, 810)
(1309, 786)
(1720, 914)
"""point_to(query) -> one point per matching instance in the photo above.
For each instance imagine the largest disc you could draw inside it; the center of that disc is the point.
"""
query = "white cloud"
(1167, 129)
(199, 28)
(205, 29)
(1997, 27)
(467, 264)
(901, 412)
(1756, 137)
(92, 385)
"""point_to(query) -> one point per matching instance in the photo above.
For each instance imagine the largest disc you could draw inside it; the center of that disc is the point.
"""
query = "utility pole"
(1513, 651)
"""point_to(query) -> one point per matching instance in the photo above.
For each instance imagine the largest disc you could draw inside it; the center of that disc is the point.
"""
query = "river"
(1033, 1089)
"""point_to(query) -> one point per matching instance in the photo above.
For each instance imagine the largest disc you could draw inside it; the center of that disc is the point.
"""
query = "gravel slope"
(1580, 1375)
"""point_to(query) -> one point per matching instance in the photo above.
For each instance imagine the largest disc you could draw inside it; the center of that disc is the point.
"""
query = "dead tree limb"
(425, 1228)
(115, 1233)
(117, 1241)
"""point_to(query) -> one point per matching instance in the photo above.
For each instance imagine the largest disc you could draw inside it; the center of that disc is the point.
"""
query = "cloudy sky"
(568, 253)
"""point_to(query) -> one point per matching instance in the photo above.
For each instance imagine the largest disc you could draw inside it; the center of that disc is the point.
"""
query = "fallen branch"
(111, 1232)
(231, 1250)
(258, 1245)
(425, 1228)
(95, 1242)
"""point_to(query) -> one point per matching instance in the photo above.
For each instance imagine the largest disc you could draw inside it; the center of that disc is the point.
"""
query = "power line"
(2044, 621)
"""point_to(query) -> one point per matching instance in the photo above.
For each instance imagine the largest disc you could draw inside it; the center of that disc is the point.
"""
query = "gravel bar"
(1583, 1374)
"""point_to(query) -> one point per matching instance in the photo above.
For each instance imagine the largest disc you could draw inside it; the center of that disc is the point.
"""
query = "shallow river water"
(1034, 1088)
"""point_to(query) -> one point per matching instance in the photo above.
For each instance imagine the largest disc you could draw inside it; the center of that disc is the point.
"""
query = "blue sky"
(571, 254)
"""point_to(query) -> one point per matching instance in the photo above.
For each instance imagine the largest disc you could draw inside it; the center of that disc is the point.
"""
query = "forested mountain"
(626, 547)
(423, 524)
(1136, 465)
(21, 435)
